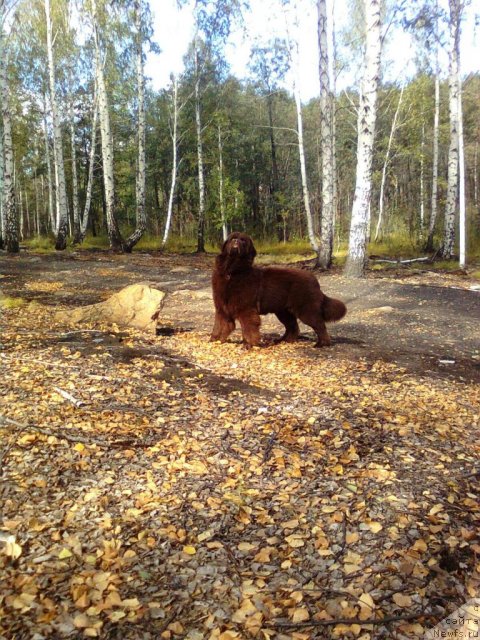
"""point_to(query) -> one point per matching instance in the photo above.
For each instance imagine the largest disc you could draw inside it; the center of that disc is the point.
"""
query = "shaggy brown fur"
(244, 292)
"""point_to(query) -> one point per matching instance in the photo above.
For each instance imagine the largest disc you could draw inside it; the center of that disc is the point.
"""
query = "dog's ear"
(224, 245)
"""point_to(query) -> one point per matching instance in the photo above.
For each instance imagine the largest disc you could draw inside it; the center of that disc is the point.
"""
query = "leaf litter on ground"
(170, 487)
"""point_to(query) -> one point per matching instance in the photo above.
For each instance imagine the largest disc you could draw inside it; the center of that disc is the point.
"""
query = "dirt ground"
(421, 320)
(162, 486)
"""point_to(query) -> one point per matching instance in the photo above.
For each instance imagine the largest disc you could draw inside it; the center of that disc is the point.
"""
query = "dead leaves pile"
(175, 488)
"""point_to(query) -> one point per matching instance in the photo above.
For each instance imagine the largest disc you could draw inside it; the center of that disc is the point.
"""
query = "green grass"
(7, 302)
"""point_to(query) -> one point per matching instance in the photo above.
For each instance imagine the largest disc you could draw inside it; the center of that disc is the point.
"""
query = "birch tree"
(367, 111)
(9, 213)
(213, 22)
(141, 214)
(199, 132)
(455, 7)
(114, 235)
(327, 139)
(293, 47)
(436, 128)
(385, 164)
(462, 222)
(61, 227)
(176, 108)
(82, 232)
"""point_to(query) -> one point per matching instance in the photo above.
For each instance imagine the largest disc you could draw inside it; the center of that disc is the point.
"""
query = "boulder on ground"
(137, 305)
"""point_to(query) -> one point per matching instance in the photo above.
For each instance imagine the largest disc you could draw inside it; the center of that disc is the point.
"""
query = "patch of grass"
(40, 244)
(476, 275)
(7, 302)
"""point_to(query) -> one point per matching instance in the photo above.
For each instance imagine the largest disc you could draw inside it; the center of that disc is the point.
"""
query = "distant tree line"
(88, 147)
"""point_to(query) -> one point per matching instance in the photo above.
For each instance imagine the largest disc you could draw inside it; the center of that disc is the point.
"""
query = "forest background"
(94, 151)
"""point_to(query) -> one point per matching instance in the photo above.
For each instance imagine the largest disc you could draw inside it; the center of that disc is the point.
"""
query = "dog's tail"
(333, 309)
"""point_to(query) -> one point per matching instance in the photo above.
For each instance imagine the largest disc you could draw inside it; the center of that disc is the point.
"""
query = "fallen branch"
(400, 261)
(280, 624)
(69, 397)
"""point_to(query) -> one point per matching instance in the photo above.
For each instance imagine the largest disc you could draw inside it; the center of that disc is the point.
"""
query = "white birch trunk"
(61, 188)
(9, 214)
(453, 153)
(51, 207)
(381, 198)
(73, 151)
(114, 236)
(173, 182)
(91, 165)
(422, 181)
(2, 166)
(141, 215)
(462, 233)
(359, 225)
(436, 129)
(475, 175)
(327, 139)
(220, 185)
(294, 55)
(201, 175)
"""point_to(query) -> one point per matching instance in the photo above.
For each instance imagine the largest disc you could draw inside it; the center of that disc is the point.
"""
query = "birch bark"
(201, 175)
(294, 55)
(436, 127)
(9, 213)
(60, 185)
(367, 111)
(173, 182)
(462, 223)
(453, 152)
(385, 165)
(114, 235)
(141, 215)
(73, 152)
(327, 140)
(220, 184)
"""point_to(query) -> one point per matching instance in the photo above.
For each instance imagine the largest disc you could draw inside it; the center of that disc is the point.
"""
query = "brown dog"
(244, 292)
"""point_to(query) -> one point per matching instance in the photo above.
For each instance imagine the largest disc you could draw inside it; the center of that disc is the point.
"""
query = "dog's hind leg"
(291, 326)
(250, 323)
(314, 319)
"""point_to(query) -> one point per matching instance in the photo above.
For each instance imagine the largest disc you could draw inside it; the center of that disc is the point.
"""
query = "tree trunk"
(61, 188)
(294, 55)
(462, 223)
(114, 235)
(422, 181)
(367, 111)
(453, 153)
(2, 164)
(75, 203)
(9, 213)
(91, 164)
(275, 180)
(201, 175)
(385, 166)
(327, 140)
(436, 128)
(141, 215)
(173, 183)
(220, 184)
(51, 208)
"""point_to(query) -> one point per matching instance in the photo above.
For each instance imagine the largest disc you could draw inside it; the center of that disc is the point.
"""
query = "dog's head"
(239, 245)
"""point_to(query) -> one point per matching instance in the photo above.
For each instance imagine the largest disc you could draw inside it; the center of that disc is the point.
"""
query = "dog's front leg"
(222, 327)
(250, 323)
